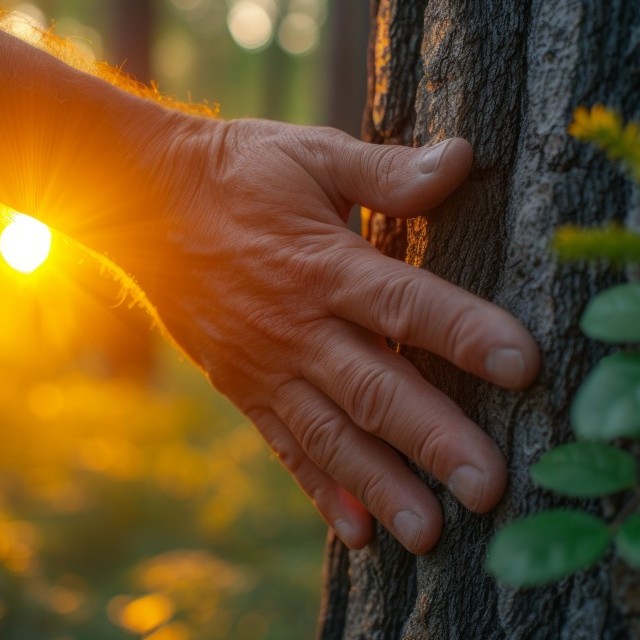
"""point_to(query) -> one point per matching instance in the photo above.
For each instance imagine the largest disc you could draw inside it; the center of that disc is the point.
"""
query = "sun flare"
(25, 243)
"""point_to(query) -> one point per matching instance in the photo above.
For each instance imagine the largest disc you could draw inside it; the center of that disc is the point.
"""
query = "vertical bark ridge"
(393, 75)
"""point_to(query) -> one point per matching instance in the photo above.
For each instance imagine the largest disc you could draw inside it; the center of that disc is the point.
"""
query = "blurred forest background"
(135, 502)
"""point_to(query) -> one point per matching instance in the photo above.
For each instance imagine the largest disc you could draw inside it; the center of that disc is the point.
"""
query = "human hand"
(258, 279)
(236, 231)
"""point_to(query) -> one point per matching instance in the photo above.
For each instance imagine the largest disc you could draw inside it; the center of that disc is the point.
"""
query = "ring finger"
(361, 463)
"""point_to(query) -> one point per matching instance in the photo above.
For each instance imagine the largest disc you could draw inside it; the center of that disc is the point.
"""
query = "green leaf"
(607, 405)
(628, 540)
(546, 547)
(614, 315)
(585, 470)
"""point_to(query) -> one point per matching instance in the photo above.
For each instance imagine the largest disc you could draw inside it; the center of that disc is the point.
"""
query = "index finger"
(415, 307)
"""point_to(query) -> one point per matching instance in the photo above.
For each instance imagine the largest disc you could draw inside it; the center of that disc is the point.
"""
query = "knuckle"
(370, 396)
(460, 336)
(372, 492)
(319, 439)
(292, 458)
(432, 452)
(376, 169)
(330, 135)
(397, 303)
(315, 268)
(313, 144)
(281, 443)
(286, 450)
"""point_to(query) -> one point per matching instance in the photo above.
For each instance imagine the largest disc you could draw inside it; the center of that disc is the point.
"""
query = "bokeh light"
(251, 24)
(298, 33)
(141, 615)
(25, 21)
(25, 243)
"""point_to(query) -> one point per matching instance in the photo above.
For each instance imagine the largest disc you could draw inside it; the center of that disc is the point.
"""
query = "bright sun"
(25, 243)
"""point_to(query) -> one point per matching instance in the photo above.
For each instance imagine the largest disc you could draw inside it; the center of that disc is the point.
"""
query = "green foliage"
(547, 546)
(585, 470)
(607, 405)
(612, 316)
(628, 540)
(555, 543)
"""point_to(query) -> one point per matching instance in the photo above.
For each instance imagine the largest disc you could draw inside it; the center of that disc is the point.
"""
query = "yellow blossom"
(604, 128)
(590, 123)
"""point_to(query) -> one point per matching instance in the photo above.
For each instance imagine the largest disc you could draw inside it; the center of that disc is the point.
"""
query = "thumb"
(395, 180)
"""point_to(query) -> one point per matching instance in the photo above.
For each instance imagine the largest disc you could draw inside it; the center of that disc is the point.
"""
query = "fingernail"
(407, 527)
(346, 532)
(467, 484)
(505, 367)
(430, 160)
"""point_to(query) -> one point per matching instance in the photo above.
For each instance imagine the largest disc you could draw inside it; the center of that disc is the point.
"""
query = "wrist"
(89, 159)
(171, 200)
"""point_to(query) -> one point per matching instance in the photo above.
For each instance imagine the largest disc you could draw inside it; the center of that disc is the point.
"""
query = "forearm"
(78, 153)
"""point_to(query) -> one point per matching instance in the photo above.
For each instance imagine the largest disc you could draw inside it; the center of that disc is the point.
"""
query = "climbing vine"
(605, 413)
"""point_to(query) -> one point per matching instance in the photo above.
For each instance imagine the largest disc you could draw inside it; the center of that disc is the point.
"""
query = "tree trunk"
(506, 75)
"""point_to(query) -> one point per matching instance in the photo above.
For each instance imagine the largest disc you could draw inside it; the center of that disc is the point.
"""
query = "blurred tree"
(507, 76)
(131, 34)
(348, 32)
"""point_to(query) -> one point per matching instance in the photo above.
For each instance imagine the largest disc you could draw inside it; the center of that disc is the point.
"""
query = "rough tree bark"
(506, 75)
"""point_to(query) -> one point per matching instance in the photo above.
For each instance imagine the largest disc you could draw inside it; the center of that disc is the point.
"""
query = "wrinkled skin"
(236, 232)
(286, 310)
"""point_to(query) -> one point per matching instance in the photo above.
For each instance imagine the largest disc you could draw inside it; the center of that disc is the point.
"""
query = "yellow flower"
(580, 123)
(589, 124)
